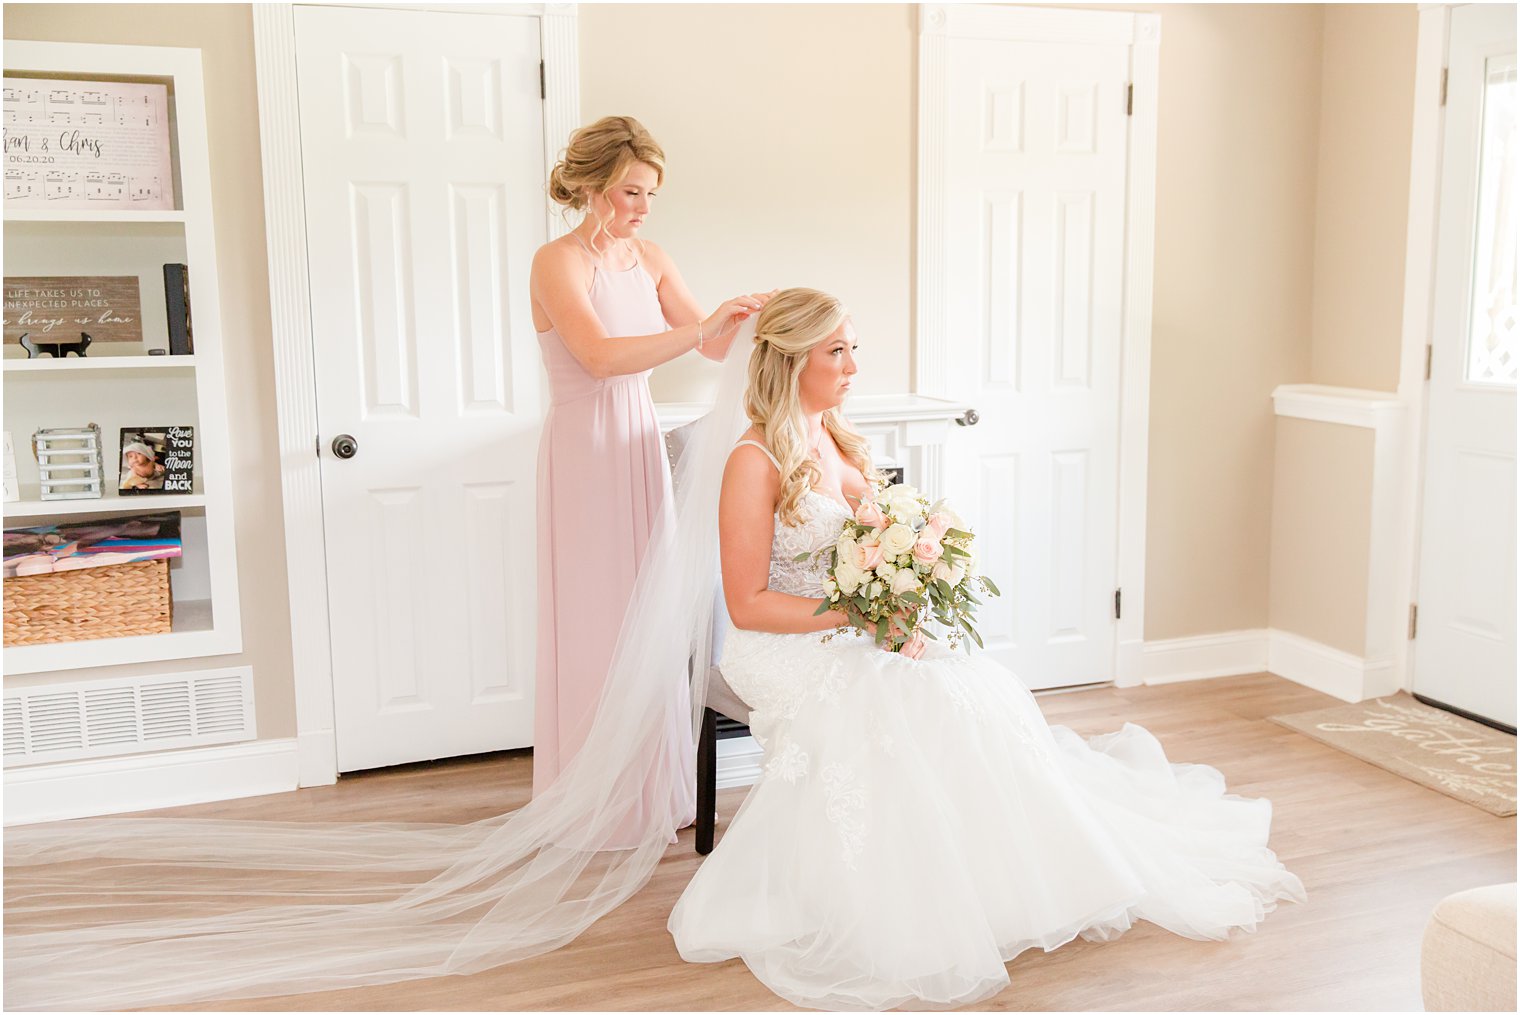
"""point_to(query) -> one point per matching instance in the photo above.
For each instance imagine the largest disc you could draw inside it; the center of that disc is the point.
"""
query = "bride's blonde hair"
(791, 324)
(599, 157)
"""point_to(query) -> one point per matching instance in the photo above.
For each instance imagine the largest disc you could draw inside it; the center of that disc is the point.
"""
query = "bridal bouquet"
(899, 559)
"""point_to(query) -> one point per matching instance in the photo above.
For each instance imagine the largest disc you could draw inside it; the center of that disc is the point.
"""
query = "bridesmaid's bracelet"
(699, 334)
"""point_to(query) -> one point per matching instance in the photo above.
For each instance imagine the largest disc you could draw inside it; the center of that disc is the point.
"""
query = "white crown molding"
(138, 782)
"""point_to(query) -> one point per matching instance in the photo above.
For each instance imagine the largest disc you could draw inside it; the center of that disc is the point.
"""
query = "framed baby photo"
(157, 460)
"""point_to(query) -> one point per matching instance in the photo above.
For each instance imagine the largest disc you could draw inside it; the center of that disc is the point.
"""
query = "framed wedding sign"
(87, 144)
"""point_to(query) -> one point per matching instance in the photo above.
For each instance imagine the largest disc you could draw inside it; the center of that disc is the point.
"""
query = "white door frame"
(1419, 308)
(937, 23)
(290, 317)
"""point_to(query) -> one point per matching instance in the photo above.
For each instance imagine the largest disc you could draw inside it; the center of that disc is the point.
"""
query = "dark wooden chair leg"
(707, 782)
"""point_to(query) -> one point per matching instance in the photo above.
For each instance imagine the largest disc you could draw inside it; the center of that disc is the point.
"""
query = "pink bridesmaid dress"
(603, 478)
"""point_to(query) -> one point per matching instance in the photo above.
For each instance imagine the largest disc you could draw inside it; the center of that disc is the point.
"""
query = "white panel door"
(1465, 644)
(1035, 196)
(422, 149)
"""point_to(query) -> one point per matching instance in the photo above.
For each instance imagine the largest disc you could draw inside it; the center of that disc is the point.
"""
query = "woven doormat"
(1430, 746)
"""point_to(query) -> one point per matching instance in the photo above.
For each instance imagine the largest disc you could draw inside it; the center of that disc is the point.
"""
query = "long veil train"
(131, 927)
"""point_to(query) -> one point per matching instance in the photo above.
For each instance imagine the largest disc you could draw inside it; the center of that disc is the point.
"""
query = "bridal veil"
(130, 912)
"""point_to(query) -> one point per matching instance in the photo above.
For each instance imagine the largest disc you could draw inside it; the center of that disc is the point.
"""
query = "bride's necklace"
(817, 449)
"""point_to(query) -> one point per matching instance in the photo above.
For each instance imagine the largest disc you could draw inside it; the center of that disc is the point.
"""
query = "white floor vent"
(97, 718)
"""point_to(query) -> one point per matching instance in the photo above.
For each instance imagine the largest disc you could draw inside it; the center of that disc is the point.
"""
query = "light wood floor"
(1375, 851)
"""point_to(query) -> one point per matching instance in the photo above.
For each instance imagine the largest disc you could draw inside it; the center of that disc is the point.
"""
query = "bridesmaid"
(608, 307)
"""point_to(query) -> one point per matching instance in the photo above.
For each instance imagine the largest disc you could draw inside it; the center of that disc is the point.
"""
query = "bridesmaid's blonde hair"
(599, 157)
(791, 324)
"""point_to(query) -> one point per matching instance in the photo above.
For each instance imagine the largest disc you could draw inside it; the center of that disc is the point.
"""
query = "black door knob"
(344, 446)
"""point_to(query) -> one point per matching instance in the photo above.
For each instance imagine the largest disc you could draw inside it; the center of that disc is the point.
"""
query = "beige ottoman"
(1467, 960)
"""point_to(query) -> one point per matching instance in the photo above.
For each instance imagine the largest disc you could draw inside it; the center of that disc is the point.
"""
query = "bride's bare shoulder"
(750, 467)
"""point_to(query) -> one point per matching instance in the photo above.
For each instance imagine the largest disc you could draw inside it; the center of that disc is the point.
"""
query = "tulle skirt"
(918, 824)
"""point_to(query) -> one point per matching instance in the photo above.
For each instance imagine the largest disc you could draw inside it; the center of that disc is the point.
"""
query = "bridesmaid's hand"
(723, 325)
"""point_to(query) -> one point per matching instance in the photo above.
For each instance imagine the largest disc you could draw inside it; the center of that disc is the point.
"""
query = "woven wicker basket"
(96, 602)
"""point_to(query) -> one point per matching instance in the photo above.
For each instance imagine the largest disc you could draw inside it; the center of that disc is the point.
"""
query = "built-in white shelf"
(80, 364)
(112, 503)
(89, 215)
(134, 388)
(194, 635)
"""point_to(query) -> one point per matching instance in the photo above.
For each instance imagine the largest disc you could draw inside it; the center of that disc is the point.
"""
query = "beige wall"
(225, 35)
(1322, 510)
(1234, 234)
(1321, 503)
(788, 133)
(1365, 130)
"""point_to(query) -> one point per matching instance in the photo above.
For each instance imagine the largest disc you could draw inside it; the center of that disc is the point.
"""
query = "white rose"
(848, 576)
(897, 540)
(946, 572)
(885, 571)
(905, 581)
(903, 503)
(845, 546)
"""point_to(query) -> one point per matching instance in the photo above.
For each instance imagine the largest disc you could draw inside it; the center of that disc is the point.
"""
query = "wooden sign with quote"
(108, 308)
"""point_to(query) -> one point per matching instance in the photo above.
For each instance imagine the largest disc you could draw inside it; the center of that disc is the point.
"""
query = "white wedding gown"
(918, 823)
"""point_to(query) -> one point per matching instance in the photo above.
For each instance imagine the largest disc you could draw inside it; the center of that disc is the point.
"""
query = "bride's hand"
(914, 647)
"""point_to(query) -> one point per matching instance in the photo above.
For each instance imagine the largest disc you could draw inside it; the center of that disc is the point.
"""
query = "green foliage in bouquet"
(901, 562)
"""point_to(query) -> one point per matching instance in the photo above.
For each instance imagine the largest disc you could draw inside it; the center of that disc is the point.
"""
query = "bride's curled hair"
(598, 158)
(791, 324)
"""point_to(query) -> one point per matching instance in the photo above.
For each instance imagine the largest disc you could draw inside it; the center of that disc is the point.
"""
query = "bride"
(917, 823)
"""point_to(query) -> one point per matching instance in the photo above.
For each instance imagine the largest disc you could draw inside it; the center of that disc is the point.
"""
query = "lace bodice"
(823, 516)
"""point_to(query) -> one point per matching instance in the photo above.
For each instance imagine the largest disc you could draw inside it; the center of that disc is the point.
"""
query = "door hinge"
(317, 444)
(1129, 100)
(1118, 603)
(1429, 353)
(1414, 619)
(1445, 71)
(543, 86)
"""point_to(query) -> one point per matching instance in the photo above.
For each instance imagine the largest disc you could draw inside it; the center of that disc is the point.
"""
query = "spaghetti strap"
(600, 260)
(767, 451)
(587, 249)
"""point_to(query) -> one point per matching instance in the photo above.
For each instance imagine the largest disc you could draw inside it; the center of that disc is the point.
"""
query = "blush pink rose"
(939, 522)
(928, 549)
(871, 515)
(867, 554)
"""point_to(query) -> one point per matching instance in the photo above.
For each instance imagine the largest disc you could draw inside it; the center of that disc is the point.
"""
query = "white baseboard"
(1329, 670)
(1232, 653)
(78, 789)
(738, 762)
(318, 757)
(1227, 654)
